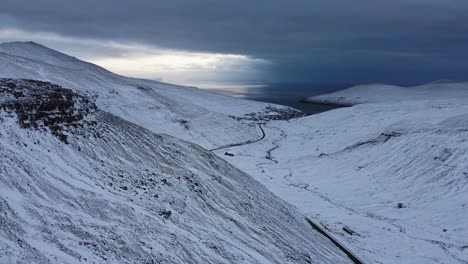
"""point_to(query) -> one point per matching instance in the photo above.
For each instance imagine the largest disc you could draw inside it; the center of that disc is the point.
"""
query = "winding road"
(245, 142)
(317, 227)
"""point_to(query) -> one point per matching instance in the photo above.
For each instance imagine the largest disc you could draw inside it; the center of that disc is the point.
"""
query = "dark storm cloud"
(333, 40)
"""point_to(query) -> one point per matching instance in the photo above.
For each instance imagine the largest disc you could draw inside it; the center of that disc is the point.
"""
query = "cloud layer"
(324, 41)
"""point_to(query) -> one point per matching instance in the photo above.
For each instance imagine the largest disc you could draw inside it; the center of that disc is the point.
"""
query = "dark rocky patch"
(443, 155)
(45, 106)
(382, 138)
(183, 123)
(143, 88)
(165, 213)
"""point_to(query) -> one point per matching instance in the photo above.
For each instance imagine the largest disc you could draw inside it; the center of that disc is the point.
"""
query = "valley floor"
(395, 174)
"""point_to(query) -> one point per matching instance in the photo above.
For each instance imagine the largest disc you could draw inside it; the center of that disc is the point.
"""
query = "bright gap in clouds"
(151, 62)
(184, 67)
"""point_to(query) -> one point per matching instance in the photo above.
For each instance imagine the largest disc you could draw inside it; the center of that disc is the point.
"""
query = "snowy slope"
(378, 93)
(353, 166)
(39, 53)
(184, 112)
(78, 184)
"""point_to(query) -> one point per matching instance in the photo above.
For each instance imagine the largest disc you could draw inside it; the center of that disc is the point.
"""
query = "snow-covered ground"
(394, 169)
(113, 192)
(354, 166)
(187, 113)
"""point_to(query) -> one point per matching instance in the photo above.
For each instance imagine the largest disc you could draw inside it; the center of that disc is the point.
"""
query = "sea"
(289, 94)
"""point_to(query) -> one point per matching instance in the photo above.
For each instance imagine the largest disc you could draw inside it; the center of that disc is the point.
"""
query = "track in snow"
(245, 142)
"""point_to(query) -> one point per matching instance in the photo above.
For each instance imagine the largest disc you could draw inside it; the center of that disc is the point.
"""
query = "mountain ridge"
(188, 113)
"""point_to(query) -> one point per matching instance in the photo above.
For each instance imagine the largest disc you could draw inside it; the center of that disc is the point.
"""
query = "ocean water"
(289, 94)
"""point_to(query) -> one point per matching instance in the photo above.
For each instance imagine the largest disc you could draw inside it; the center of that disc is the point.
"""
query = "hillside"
(184, 112)
(78, 184)
(393, 170)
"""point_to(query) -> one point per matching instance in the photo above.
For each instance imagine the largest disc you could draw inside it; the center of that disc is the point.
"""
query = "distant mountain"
(380, 93)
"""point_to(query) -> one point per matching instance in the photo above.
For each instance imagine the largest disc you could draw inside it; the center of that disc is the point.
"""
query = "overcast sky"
(331, 41)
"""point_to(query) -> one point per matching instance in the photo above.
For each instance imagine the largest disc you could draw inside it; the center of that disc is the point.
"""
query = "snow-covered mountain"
(81, 185)
(187, 113)
(394, 170)
(381, 93)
